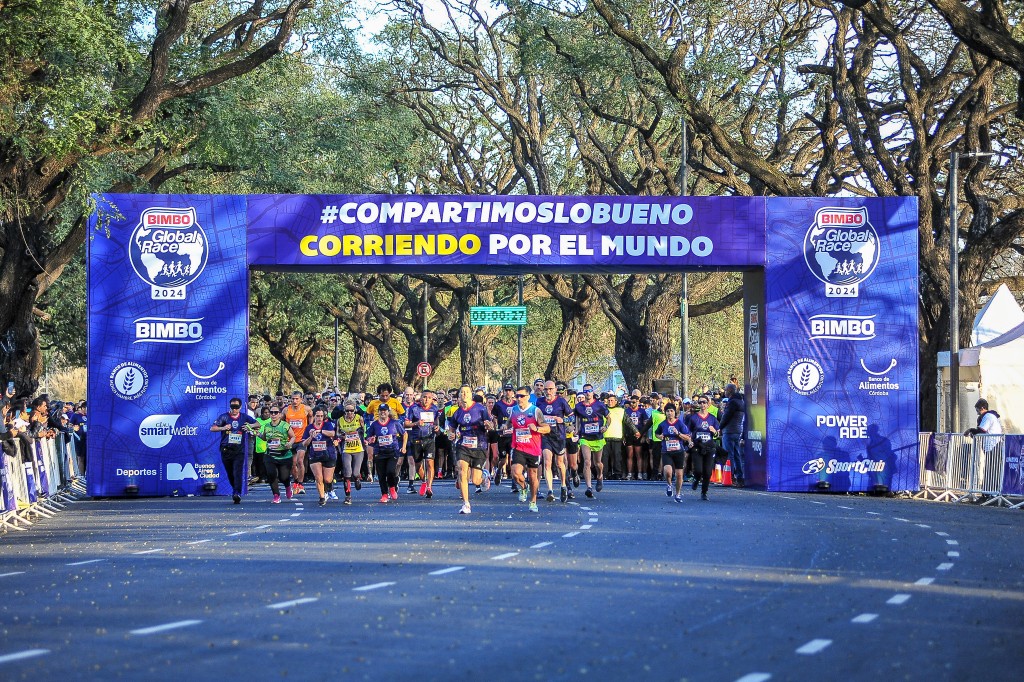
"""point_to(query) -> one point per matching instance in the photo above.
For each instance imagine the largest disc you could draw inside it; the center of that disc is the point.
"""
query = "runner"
(232, 425)
(501, 412)
(389, 440)
(323, 458)
(492, 441)
(675, 438)
(556, 412)
(471, 422)
(528, 425)
(633, 442)
(409, 461)
(277, 461)
(704, 427)
(592, 421)
(427, 418)
(350, 433)
(298, 415)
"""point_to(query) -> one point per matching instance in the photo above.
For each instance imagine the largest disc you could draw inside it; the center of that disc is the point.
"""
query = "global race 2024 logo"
(168, 250)
(841, 250)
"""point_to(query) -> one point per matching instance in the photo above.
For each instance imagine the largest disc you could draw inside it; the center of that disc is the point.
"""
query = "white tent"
(993, 370)
(1000, 314)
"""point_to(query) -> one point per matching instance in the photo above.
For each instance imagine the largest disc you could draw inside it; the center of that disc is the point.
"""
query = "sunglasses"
(588, 390)
(349, 411)
(522, 395)
(275, 412)
(702, 402)
(236, 407)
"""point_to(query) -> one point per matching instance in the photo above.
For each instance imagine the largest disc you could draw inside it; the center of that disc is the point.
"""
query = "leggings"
(703, 459)
(351, 464)
(278, 470)
(387, 471)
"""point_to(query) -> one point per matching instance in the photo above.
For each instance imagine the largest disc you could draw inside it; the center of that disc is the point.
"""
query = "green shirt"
(277, 439)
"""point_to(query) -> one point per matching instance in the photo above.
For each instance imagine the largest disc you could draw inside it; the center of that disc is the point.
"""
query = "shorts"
(423, 449)
(475, 458)
(492, 436)
(298, 447)
(594, 445)
(326, 459)
(676, 459)
(504, 445)
(632, 441)
(553, 442)
(525, 459)
(571, 446)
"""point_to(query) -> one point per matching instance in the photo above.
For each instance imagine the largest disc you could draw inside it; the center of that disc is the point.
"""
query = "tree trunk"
(362, 362)
(644, 351)
(299, 359)
(21, 361)
(577, 302)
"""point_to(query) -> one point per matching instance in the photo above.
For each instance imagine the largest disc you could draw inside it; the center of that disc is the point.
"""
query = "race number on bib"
(386, 441)
(235, 438)
(703, 435)
(469, 442)
(427, 417)
(523, 436)
(549, 419)
(593, 427)
(673, 445)
(352, 437)
(295, 423)
(319, 445)
(274, 444)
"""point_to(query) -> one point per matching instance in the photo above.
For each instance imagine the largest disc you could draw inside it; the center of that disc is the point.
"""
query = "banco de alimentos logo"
(806, 376)
(129, 380)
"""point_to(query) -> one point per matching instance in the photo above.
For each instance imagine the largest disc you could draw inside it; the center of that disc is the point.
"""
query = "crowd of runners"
(533, 436)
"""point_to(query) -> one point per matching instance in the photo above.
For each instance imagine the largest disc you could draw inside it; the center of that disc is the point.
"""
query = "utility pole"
(426, 322)
(519, 343)
(336, 354)
(684, 303)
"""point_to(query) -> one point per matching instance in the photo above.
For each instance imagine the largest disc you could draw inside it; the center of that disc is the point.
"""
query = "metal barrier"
(959, 468)
(39, 482)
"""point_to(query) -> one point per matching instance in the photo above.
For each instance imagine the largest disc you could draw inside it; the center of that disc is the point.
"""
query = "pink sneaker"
(423, 489)
(277, 499)
(392, 493)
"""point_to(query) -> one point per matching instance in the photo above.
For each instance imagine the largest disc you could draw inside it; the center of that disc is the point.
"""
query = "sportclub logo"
(168, 250)
(156, 430)
(129, 380)
(806, 376)
(841, 249)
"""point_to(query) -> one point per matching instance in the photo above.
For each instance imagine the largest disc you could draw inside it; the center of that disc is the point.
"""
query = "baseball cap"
(538, 381)
(508, 387)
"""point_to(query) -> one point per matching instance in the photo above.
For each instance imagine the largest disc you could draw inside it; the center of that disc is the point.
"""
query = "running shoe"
(465, 509)
(629, 477)
(392, 493)
(590, 493)
(522, 494)
(600, 484)
(679, 498)
(563, 495)
(497, 476)
(551, 496)
(693, 485)
(479, 490)
(348, 500)
(288, 491)
(430, 493)
(383, 499)
(276, 500)
(533, 507)
(410, 491)
(359, 483)
(237, 499)
(575, 479)
(301, 489)
(704, 496)
(423, 488)
(332, 495)
(668, 490)
(322, 502)
(571, 495)
(487, 480)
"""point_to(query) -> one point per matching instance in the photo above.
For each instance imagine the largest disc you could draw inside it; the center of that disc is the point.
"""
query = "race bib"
(703, 435)
(274, 444)
(386, 441)
(351, 437)
(295, 423)
(234, 439)
(635, 419)
(523, 436)
(548, 419)
(427, 417)
(673, 445)
(507, 431)
(593, 427)
(319, 445)
(469, 442)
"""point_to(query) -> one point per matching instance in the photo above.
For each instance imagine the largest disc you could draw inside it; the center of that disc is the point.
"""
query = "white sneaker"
(465, 509)
(332, 495)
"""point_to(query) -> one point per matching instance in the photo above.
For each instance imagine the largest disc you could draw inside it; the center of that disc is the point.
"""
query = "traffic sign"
(509, 315)
(424, 369)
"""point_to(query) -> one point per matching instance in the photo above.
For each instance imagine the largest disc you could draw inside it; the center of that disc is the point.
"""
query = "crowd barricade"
(988, 469)
(38, 482)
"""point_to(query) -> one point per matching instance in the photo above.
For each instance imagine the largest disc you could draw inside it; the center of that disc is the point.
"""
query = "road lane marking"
(267, 525)
(787, 497)
(923, 525)
(592, 519)
(815, 502)
(814, 646)
(293, 602)
(572, 534)
(450, 569)
(165, 627)
(83, 563)
(375, 586)
(294, 515)
(875, 513)
(283, 520)
(149, 551)
(198, 542)
(541, 545)
(842, 507)
(755, 677)
(924, 581)
(941, 534)
(898, 599)
(241, 532)
(952, 542)
(501, 557)
(945, 566)
(865, 618)
(575, 504)
(896, 518)
(952, 554)
(585, 508)
(22, 655)
(586, 526)
(4, 575)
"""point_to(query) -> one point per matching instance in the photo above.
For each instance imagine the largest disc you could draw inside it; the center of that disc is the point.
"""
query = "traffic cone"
(727, 473)
(716, 477)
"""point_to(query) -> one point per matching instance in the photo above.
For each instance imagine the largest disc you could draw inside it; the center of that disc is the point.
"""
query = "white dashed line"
(283, 520)
(83, 563)
(575, 504)
(586, 526)
(22, 655)
(165, 627)
(450, 569)
(4, 575)
(198, 542)
(572, 534)
(923, 525)
(585, 508)
(262, 527)
(815, 502)
(842, 507)
(592, 519)
(294, 515)
(898, 599)
(541, 545)
(787, 497)
(952, 554)
(875, 513)
(241, 532)
(941, 534)
(293, 602)
(945, 566)
(952, 542)
(375, 586)
(755, 677)
(896, 518)
(502, 557)
(814, 646)
(924, 581)
(149, 551)
(865, 618)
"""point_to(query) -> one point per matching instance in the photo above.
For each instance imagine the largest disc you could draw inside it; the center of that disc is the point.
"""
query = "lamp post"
(684, 294)
(954, 286)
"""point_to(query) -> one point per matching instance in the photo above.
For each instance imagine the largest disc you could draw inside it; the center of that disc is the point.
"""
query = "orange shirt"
(298, 419)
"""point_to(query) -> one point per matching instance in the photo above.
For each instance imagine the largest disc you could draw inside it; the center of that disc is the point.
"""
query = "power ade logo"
(834, 466)
(156, 430)
(129, 380)
(168, 250)
(841, 250)
(168, 330)
(849, 425)
(843, 327)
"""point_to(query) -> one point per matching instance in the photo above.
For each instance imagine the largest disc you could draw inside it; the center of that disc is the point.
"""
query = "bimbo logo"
(844, 327)
(168, 330)
(168, 250)
(841, 249)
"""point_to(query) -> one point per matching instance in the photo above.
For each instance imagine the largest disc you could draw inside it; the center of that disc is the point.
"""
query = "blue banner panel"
(168, 339)
(1013, 467)
(841, 344)
(505, 234)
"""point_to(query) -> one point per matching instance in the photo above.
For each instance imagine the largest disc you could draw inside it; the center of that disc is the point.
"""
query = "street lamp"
(954, 286)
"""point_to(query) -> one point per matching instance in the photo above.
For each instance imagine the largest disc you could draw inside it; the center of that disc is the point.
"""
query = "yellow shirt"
(394, 403)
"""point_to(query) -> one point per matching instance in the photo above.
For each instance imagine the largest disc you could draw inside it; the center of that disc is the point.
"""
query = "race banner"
(1013, 465)
(841, 344)
(168, 340)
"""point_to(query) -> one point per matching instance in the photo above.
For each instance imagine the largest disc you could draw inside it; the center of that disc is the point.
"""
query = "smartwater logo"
(156, 430)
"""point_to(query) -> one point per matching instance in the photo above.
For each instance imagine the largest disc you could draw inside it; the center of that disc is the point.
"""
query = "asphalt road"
(749, 586)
